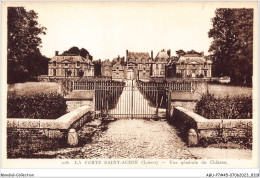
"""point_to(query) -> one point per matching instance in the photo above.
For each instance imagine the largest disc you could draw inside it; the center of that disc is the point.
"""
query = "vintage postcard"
(129, 85)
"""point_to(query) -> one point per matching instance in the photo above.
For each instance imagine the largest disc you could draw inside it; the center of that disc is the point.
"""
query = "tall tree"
(76, 51)
(23, 54)
(180, 52)
(97, 67)
(232, 46)
(193, 52)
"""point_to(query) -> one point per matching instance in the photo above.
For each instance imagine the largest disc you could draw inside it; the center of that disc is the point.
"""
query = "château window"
(54, 63)
(205, 65)
(78, 63)
(66, 64)
(162, 66)
(182, 73)
(205, 73)
(66, 72)
(54, 72)
(182, 64)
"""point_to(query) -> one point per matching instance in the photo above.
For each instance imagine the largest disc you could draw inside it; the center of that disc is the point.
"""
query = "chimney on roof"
(126, 55)
(169, 52)
(87, 56)
(202, 53)
(152, 54)
(56, 53)
(118, 58)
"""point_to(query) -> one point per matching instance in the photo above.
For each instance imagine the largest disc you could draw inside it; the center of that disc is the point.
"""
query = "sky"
(108, 29)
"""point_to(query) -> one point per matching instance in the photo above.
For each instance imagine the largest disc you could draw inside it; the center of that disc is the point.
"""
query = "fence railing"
(173, 86)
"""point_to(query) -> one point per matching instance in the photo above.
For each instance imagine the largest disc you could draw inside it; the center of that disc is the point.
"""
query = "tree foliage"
(24, 59)
(97, 67)
(76, 51)
(232, 46)
(181, 52)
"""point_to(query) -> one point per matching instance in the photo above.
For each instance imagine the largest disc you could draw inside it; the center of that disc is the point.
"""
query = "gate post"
(132, 99)
(168, 107)
(94, 99)
(157, 101)
(107, 93)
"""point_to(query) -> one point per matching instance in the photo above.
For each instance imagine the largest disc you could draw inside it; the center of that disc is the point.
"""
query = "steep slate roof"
(192, 55)
(193, 59)
(162, 54)
(70, 58)
(120, 59)
(106, 63)
(118, 64)
(138, 55)
(186, 60)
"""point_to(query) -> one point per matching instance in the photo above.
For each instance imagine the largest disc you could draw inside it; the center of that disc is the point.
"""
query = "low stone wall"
(27, 136)
(78, 98)
(210, 130)
(74, 104)
(190, 105)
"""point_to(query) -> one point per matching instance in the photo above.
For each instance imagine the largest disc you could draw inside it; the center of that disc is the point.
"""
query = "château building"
(194, 65)
(70, 65)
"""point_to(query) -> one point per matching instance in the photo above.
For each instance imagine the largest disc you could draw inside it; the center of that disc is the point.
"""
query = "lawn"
(34, 87)
(221, 91)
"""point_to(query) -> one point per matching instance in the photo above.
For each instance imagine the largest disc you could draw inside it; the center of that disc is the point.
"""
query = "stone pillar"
(72, 137)
(192, 138)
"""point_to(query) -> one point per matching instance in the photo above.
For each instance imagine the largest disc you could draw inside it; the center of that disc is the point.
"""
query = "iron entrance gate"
(131, 99)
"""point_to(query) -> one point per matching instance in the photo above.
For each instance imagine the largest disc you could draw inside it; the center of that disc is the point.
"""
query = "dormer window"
(193, 65)
(66, 64)
(182, 64)
(78, 63)
(54, 63)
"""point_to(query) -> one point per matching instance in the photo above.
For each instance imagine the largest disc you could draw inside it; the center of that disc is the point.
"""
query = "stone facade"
(70, 66)
(106, 68)
(138, 65)
(159, 64)
(118, 71)
(143, 66)
(194, 65)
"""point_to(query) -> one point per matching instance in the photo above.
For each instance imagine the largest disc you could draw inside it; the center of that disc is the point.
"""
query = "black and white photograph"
(129, 85)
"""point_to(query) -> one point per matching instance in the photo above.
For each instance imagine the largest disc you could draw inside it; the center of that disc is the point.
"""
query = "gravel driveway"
(131, 97)
(135, 138)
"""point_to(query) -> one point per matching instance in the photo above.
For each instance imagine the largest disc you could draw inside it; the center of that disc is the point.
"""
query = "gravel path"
(140, 106)
(136, 138)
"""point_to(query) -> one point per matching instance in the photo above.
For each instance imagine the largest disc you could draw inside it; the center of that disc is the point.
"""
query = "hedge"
(239, 107)
(36, 106)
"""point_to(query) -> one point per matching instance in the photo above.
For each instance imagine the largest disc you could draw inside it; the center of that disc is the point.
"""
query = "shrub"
(36, 106)
(239, 107)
